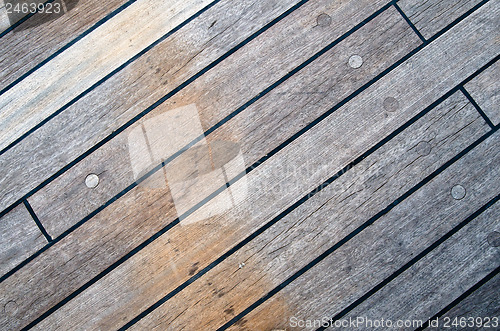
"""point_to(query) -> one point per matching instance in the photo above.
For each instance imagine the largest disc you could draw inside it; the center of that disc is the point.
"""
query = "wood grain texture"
(389, 243)
(86, 62)
(271, 187)
(430, 16)
(485, 90)
(296, 239)
(112, 104)
(109, 232)
(220, 91)
(440, 277)
(483, 302)
(19, 238)
(42, 35)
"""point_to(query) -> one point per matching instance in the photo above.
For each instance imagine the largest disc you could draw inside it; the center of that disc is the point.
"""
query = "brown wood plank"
(388, 244)
(440, 277)
(220, 92)
(129, 92)
(430, 16)
(484, 302)
(295, 240)
(19, 238)
(347, 133)
(485, 90)
(87, 61)
(42, 35)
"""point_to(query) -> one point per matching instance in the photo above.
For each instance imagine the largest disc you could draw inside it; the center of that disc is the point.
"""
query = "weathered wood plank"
(334, 143)
(42, 35)
(295, 240)
(112, 104)
(440, 277)
(388, 244)
(430, 16)
(483, 302)
(111, 235)
(485, 90)
(19, 238)
(86, 62)
(220, 91)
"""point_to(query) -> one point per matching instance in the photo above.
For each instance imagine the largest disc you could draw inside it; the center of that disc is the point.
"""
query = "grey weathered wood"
(393, 240)
(87, 61)
(137, 220)
(330, 146)
(129, 92)
(19, 238)
(430, 16)
(441, 277)
(485, 90)
(483, 302)
(220, 92)
(298, 238)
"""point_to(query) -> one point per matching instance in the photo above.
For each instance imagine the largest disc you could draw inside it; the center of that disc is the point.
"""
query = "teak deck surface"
(250, 165)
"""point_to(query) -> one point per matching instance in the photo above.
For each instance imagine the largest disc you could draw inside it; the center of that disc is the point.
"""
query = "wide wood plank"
(483, 302)
(485, 90)
(19, 238)
(389, 243)
(43, 34)
(86, 62)
(111, 235)
(220, 92)
(440, 277)
(415, 84)
(296, 239)
(430, 16)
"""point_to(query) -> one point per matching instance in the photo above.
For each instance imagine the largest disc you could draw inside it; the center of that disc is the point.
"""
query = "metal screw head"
(323, 20)
(92, 181)
(355, 61)
(458, 192)
(391, 104)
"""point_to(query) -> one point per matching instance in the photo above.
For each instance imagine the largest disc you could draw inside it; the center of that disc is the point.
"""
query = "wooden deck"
(250, 165)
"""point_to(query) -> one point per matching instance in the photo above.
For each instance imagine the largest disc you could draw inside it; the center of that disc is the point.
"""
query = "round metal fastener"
(423, 148)
(323, 20)
(391, 104)
(92, 181)
(494, 239)
(458, 192)
(355, 61)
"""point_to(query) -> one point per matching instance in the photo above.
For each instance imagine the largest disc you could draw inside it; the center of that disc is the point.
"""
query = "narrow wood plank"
(440, 277)
(295, 240)
(388, 244)
(334, 143)
(485, 90)
(19, 238)
(111, 235)
(483, 302)
(220, 92)
(430, 16)
(86, 62)
(43, 34)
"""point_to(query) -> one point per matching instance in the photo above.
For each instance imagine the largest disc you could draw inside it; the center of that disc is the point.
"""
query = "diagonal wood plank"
(331, 214)
(86, 62)
(388, 244)
(424, 79)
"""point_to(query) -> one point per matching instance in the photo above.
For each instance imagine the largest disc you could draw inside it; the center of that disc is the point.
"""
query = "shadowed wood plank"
(112, 234)
(19, 238)
(440, 277)
(42, 35)
(389, 243)
(485, 90)
(221, 91)
(330, 215)
(86, 62)
(430, 16)
(483, 302)
(346, 133)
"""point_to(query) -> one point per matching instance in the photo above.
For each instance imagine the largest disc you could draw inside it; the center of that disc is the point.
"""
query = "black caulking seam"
(479, 110)
(37, 221)
(410, 23)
